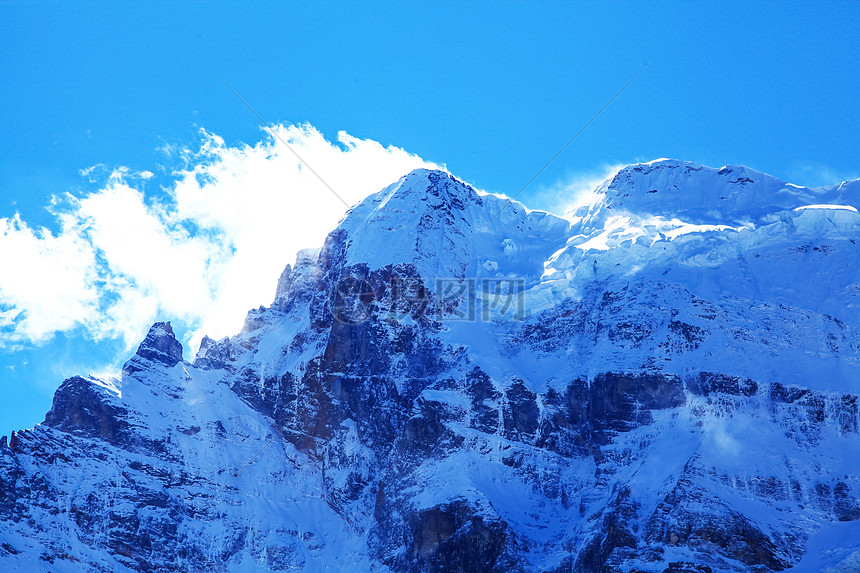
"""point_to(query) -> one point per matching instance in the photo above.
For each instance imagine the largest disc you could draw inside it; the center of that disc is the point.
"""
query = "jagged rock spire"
(160, 347)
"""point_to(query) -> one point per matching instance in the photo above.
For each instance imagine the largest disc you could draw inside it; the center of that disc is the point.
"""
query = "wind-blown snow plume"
(574, 190)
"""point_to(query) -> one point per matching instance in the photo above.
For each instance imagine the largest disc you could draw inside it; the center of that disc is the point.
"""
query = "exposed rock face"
(389, 411)
(82, 407)
(160, 346)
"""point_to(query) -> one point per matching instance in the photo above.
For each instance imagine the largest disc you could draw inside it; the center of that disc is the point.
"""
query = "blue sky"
(490, 90)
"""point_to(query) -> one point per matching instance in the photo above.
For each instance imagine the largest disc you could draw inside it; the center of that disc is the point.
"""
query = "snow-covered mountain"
(665, 380)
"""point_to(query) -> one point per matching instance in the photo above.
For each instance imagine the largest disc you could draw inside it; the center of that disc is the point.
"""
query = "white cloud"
(234, 218)
(46, 283)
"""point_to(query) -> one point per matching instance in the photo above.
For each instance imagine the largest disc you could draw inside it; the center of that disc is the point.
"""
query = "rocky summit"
(665, 379)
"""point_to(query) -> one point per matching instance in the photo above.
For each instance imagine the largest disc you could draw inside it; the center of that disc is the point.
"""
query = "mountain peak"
(699, 194)
(424, 218)
(160, 347)
(418, 190)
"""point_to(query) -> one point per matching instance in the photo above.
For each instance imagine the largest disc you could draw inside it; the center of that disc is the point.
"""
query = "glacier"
(663, 380)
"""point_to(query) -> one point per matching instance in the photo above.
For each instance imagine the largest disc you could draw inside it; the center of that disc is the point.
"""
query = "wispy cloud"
(818, 175)
(233, 217)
